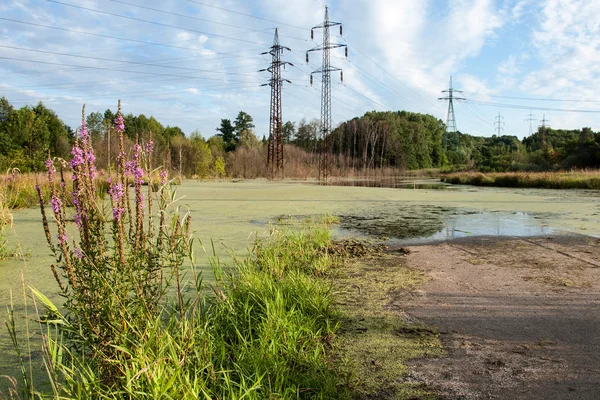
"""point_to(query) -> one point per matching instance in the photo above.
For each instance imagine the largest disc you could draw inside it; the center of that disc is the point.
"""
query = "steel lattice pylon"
(275, 146)
(325, 71)
(451, 120)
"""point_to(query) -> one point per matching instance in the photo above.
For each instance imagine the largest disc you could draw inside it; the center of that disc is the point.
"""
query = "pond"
(232, 214)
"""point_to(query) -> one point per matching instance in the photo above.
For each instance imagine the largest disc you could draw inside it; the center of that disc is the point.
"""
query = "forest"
(401, 140)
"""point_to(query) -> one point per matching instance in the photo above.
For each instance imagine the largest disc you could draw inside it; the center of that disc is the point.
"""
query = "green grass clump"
(264, 332)
(275, 317)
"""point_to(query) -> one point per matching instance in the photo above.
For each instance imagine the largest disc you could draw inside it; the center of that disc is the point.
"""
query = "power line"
(150, 64)
(100, 83)
(541, 99)
(525, 107)
(383, 85)
(246, 15)
(152, 22)
(112, 95)
(390, 74)
(112, 69)
(111, 36)
(186, 16)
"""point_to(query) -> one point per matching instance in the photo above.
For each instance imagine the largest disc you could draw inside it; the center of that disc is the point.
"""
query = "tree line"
(399, 140)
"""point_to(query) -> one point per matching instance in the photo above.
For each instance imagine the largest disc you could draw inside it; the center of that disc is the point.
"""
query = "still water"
(233, 214)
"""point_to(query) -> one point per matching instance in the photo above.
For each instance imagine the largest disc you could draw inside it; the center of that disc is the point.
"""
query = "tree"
(6, 109)
(227, 134)
(172, 132)
(243, 122)
(289, 131)
(201, 157)
(306, 135)
(249, 140)
(95, 125)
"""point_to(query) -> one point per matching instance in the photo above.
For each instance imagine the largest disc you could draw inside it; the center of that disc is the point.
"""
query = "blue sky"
(192, 62)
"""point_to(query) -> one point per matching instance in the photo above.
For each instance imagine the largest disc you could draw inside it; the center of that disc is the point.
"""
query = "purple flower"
(163, 176)
(77, 159)
(50, 166)
(116, 192)
(78, 253)
(77, 219)
(149, 147)
(84, 132)
(119, 124)
(129, 168)
(139, 175)
(56, 204)
(62, 238)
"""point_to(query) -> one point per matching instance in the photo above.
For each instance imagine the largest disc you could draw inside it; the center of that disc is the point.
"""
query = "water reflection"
(517, 224)
(414, 225)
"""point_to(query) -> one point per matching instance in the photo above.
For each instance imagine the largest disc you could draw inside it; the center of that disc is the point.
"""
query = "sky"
(191, 63)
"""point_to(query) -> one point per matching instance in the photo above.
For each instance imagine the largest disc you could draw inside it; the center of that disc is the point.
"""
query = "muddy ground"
(519, 318)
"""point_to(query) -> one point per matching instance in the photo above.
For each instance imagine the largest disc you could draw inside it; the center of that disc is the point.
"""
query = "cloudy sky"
(192, 62)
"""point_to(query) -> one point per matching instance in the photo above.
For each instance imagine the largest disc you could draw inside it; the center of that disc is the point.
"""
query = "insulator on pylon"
(312, 34)
(307, 57)
(340, 30)
(346, 51)
(311, 80)
(342, 75)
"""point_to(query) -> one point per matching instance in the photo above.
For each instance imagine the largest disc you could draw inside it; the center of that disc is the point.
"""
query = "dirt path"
(520, 318)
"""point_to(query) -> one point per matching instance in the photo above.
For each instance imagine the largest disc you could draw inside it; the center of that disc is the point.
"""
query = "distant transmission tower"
(325, 71)
(499, 124)
(275, 146)
(530, 118)
(451, 120)
(545, 122)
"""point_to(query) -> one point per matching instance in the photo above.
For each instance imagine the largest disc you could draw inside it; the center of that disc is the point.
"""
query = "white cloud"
(193, 91)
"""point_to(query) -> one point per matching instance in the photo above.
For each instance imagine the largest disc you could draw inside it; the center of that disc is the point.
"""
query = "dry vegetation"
(575, 179)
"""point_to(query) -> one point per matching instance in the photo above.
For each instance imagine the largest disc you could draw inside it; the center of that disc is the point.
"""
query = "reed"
(575, 179)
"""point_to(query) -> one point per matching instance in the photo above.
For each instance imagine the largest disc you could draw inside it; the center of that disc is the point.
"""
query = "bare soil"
(520, 318)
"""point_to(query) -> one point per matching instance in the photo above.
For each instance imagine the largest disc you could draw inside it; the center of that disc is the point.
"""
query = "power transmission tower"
(545, 122)
(530, 118)
(499, 124)
(451, 119)
(275, 146)
(325, 71)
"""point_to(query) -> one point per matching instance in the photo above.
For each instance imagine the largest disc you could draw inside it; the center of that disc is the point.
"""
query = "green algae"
(376, 341)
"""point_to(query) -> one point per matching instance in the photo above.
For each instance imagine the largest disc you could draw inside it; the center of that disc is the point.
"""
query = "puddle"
(410, 224)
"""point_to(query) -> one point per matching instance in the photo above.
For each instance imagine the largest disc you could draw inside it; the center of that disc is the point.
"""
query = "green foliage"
(219, 167)
(398, 139)
(243, 122)
(289, 131)
(227, 134)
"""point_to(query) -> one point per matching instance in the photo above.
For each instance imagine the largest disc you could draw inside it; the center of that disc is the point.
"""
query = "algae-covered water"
(232, 214)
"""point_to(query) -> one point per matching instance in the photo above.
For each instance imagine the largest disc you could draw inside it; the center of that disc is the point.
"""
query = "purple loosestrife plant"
(114, 270)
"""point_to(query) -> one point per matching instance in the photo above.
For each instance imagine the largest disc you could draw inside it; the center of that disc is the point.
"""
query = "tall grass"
(132, 326)
(576, 179)
(263, 331)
